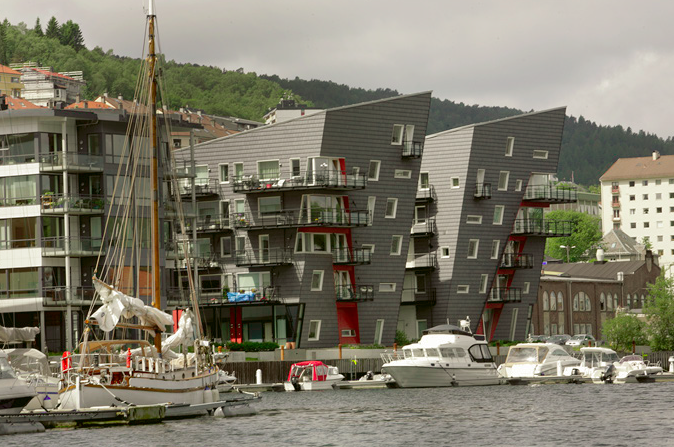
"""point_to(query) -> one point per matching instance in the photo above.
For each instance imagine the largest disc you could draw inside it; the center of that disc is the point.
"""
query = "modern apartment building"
(302, 226)
(57, 169)
(46, 88)
(479, 230)
(637, 193)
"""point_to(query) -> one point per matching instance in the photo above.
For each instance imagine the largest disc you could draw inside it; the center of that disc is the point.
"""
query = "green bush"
(374, 346)
(401, 338)
(252, 346)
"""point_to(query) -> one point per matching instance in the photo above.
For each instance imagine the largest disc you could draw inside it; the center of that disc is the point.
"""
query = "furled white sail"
(116, 305)
(18, 334)
(184, 336)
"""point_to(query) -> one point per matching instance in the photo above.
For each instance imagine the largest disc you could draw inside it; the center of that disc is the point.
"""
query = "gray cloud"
(608, 60)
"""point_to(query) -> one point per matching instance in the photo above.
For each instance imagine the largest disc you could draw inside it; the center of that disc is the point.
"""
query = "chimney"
(656, 155)
(120, 97)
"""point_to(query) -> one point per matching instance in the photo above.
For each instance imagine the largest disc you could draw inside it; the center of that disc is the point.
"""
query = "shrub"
(252, 346)
(401, 338)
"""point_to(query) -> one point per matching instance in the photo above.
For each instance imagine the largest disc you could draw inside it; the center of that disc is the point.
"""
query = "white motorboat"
(526, 360)
(312, 375)
(32, 366)
(602, 365)
(15, 393)
(446, 355)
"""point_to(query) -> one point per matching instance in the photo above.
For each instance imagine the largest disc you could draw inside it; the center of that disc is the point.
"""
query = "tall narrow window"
(371, 200)
(510, 144)
(238, 171)
(391, 208)
(484, 278)
(224, 173)
(317, 280)
(295, 167)
(378, 331)
(503, 180)
(494, 248)
(498, 214)
(424, 181)
(396, 245)
(473, 245)
(314, 330)
(397, 136)
(373, 171)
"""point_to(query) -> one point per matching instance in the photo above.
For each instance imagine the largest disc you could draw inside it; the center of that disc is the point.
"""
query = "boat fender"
(66, 361)
(128, 358)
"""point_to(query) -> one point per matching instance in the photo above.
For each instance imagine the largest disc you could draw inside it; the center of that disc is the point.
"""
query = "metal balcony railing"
(72, 203)
(210, 224)
(218, 296)
(551, 193)
(424, 229)
(542, 227)
(354, 293)
(517, 261)
(426, 261)
(416, 296)
(426, 194)
(412, 149)
(203, 187)
(70, 161)
(300, 218)
(509, 295)
(615, 204)
(482, 191)
(284, 181)
(263, 257)
(356, 256)
(58, 296)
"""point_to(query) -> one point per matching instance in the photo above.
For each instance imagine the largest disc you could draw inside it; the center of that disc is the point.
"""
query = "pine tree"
(71, 35)
(53, 29)
(3, 44)
(38, 28)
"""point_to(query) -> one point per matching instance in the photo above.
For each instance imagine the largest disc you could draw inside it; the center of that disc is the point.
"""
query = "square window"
(647, 225)
(645, 211)
(671, 181)
(269, 205)
(661, 252)
(644, 182)
(633, 225)
(484, 278)
(494, 248)
(658, 196)
(633, 211)
(658, 210)
(660, 238)
(397, 136)
(503, 180)
(645, 197)
(269, 170)
(317, 280)
(224, 173)
(373, 170)
(472, 219)
(671, 195)
(657, 182)
(632, 183)
(454, 182)
(444, 251)
(391, 208)
(396, 244)
(473, 245)
(659, 224)
(463, 289)
(510, 144)
(632, 198)
(498, 214)
(314, 330)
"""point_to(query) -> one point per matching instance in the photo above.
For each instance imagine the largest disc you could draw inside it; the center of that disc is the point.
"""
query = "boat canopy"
(116, 305)
(446, 329)
(319, 370)
(18, 334)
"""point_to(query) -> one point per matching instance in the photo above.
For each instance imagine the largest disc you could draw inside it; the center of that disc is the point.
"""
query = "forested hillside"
(587, 148)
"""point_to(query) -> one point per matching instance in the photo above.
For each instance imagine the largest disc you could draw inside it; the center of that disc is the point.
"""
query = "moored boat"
(312, 375)
(15, 393)
(526, 360)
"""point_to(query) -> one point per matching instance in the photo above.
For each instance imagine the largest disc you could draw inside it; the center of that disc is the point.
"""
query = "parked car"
(537, 338)
(560, 339)
(582, 340)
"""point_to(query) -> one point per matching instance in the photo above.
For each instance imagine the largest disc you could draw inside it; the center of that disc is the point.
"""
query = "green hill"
(587, 148)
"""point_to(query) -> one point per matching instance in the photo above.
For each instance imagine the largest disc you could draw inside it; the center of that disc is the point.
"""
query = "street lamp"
(568, 248)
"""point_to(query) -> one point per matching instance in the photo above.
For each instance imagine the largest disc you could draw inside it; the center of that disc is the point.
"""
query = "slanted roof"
(640, 168)
(617, 242)
(7, 70)
(89, 105)
(607, 270)
(20, 104)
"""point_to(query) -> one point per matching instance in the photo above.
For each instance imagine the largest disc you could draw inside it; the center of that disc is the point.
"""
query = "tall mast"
(154, 168)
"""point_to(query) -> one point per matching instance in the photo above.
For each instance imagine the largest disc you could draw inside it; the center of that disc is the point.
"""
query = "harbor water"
(540, 415)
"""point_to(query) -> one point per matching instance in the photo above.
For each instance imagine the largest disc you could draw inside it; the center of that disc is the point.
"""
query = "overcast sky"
(611, 61)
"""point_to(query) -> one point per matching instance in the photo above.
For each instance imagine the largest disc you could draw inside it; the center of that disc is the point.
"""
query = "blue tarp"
(233, 297)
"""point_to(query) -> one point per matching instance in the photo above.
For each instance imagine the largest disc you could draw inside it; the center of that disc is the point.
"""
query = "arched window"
(629, 301)
(545, 301)
(560, 301)
(553, 301)
(588, 307)
(575, 302)
(602, 301)
(581, 301)
(609, 302)
(615, 301)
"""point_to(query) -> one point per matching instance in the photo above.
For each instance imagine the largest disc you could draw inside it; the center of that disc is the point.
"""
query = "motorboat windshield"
(528, 354)
(629, 358)
(592, 359)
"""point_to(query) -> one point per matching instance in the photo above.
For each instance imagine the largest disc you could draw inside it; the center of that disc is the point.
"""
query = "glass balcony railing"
(551, 193)
(70, 161)
(280, 181)
(72, 203)
(73, 246)
(300, 218)
(542, 227)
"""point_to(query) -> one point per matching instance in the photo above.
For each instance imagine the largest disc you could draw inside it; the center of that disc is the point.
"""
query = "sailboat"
(112, 371)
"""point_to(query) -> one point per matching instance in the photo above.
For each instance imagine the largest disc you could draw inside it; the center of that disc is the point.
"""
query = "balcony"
(517, 261)
(482, 191)
(615, 204)
(426, 195)
(17, 201)
(426, 261)
(16, 159)
(71, 162)
(412, 149)
(425, 228)
(300, 180)
(509, 295)
(209, 224)
(300, 218)
(419, 297)
(551, 193)
(204, 188)
(615, 189)
(175, 249)
(354, 293)
(74, 246)
(357, 256)
(219, 297)
(72, 204)
(182, 170)
(542, 227)
(57, 296)
(267, 257)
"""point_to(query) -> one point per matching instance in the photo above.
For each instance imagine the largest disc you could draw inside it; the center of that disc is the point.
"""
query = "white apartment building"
(638, 197)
